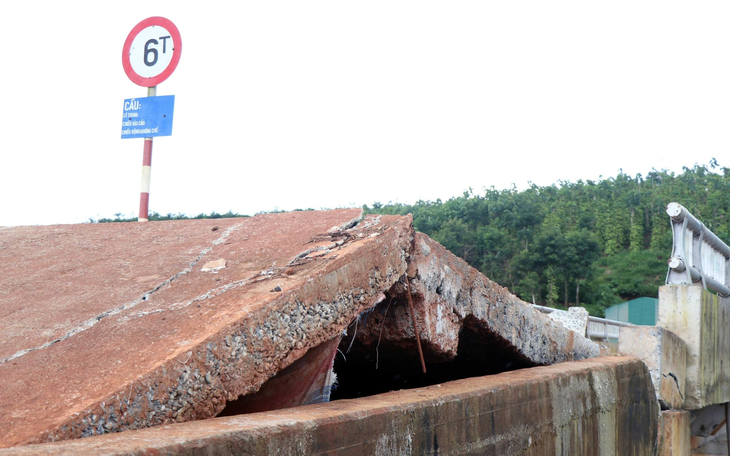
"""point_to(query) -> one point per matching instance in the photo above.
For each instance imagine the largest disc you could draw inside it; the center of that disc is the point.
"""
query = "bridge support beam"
(702, 320)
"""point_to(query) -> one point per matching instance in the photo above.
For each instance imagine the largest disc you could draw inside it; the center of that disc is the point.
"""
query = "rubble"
(576, 319)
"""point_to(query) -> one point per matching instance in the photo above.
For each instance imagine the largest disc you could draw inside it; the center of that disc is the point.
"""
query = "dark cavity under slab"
(369, 364)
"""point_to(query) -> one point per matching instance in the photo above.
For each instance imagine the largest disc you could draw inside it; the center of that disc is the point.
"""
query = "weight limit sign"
(151, 51)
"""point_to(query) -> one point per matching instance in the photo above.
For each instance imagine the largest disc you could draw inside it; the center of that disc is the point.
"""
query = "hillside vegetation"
(593, 244)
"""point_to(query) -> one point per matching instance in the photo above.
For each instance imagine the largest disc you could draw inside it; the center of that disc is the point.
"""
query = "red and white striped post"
(150, 54)
(144, 195)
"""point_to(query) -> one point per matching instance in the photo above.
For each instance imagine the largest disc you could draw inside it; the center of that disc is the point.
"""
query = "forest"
(587, 243)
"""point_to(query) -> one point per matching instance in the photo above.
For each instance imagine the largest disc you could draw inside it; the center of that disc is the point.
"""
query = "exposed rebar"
(415, 325)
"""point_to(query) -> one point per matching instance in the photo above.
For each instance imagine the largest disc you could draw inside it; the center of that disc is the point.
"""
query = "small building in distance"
(639, 311)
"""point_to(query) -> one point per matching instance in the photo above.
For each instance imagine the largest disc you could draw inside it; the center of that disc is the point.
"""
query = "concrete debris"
(575, 319)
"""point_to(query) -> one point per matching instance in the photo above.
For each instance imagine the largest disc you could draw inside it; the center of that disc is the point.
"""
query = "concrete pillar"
(702, 319)
(665, 354)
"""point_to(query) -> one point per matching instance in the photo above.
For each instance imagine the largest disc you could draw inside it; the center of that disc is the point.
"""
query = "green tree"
(582, 252)
(599, 242)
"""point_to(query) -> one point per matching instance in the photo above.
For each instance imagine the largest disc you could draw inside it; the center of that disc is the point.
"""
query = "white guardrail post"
(699, 257)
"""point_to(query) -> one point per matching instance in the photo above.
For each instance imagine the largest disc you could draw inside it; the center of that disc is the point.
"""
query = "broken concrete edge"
(665, 354)
(197, 381)
(531, 412)
(451, 291)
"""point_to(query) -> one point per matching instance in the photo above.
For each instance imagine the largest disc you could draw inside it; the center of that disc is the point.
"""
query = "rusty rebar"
(415, 325)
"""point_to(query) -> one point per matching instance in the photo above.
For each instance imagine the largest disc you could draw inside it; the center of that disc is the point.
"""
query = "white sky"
(323, 104)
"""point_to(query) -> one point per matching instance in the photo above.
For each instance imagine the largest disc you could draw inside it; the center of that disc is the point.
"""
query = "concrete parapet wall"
(702, 320)
(664, 353)
(599, 406)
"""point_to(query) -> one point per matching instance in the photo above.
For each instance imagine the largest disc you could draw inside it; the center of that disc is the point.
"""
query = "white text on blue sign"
(147, 117)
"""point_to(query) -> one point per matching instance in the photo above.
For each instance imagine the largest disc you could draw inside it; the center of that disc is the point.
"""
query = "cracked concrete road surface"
(105, 327)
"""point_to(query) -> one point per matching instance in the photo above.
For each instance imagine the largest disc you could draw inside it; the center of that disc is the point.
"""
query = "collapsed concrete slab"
(468, 326)
(600, 406)
(453, 294)
(115, 327)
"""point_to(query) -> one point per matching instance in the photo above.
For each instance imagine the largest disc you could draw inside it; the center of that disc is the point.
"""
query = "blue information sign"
(147, 117)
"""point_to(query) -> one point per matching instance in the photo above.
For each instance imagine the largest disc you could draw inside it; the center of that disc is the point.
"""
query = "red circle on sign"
(177, 50)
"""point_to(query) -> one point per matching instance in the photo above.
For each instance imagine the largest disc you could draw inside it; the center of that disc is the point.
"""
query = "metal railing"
(699, 257)
(600, 328)
(597, 328)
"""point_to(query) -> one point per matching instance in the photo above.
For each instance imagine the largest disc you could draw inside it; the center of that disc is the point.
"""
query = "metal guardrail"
(699, 257)
(598, 328)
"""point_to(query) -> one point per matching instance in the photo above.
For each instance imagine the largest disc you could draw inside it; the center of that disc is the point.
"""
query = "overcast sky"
(324, 104)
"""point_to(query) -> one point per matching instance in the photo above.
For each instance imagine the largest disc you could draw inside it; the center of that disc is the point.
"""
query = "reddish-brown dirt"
(114, 326)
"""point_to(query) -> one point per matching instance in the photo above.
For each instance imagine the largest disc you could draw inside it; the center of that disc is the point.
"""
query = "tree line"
(588, 243)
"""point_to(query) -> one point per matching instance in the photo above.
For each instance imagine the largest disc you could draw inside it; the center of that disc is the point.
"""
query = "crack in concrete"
(676, 380)
(208, 295)
(96, 319)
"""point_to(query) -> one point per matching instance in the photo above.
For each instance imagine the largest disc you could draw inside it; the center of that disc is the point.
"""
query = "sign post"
(150, 54)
